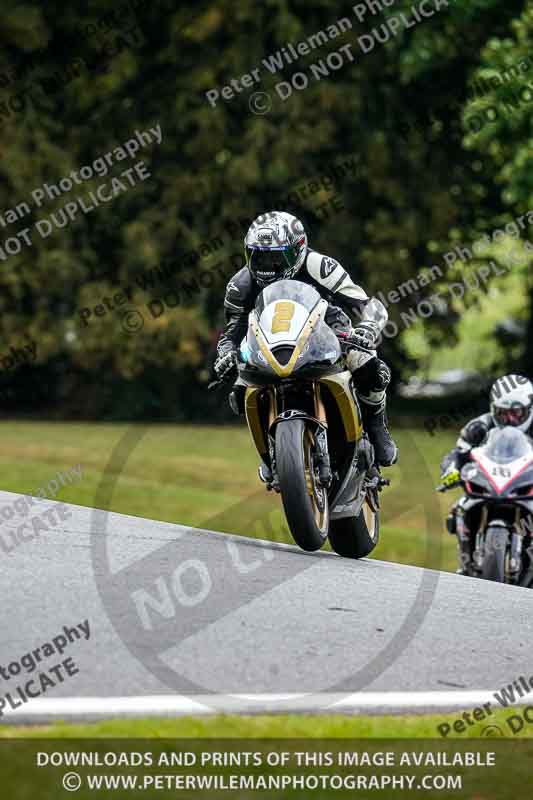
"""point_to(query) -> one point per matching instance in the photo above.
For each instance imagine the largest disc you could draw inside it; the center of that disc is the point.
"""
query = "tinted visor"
(514, 416)
(268, 265)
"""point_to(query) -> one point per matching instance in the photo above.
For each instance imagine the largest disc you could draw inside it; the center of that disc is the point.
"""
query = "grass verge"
(284, 726)
(205, 476)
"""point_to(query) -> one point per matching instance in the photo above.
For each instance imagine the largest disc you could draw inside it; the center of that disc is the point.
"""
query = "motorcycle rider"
(511, 403)
(276, 248)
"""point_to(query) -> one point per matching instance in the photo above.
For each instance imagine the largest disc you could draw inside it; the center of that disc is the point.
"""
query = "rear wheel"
(355, 537)
(304, 501)
(493, 567)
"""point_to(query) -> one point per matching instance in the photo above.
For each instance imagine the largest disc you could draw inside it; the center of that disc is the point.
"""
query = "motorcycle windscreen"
(287, 340)
(505, 445)
(505, 455)
(296, 291)
(284, 307)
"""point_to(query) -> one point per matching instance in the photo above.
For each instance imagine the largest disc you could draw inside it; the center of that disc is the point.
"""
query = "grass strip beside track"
(206, 476)
(279, 726)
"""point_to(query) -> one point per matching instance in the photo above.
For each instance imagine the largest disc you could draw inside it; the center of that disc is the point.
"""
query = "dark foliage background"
(78, 80)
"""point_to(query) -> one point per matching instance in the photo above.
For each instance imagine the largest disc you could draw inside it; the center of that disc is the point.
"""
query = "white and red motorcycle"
(494, 519)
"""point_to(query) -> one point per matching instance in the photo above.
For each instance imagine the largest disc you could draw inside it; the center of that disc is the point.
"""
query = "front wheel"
(355, 537)
(493, 567)
(304, 501)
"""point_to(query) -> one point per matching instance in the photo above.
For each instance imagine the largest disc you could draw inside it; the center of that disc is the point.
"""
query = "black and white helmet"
(275, 247)
(511, 402)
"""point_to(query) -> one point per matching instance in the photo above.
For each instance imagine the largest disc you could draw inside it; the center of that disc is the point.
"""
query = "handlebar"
(218, 382)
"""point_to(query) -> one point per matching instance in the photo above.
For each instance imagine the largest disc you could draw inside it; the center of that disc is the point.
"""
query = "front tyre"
(355, 537)
(493, 567)
(305, 502)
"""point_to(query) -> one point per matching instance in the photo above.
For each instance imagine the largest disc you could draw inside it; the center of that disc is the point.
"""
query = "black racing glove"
(225, 364)
(364, 336)
(475, 432)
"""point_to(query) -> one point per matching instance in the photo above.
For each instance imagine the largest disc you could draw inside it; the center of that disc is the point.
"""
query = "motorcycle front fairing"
(501, 469)
(287, 334)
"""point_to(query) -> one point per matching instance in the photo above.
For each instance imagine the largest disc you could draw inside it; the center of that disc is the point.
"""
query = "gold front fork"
(273, 405)
(320, 411)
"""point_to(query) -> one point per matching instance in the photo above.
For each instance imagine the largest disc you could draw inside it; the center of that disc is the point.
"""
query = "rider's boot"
(265, 473)
(465, 557)
(464, 545)
(451, 519)
(462, 549)
(375, 424)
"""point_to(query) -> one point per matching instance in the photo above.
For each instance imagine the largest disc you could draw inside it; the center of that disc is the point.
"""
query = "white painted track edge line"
(174, 705)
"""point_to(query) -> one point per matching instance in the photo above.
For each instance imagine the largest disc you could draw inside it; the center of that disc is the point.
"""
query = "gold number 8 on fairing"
(283, 313)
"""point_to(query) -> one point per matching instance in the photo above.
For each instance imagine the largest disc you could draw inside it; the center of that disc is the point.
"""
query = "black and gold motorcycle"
(304, 418)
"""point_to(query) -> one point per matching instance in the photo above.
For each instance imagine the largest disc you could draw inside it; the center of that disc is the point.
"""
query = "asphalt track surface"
(272, 620)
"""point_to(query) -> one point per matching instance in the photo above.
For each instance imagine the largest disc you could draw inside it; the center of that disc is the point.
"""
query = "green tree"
(75, 86)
